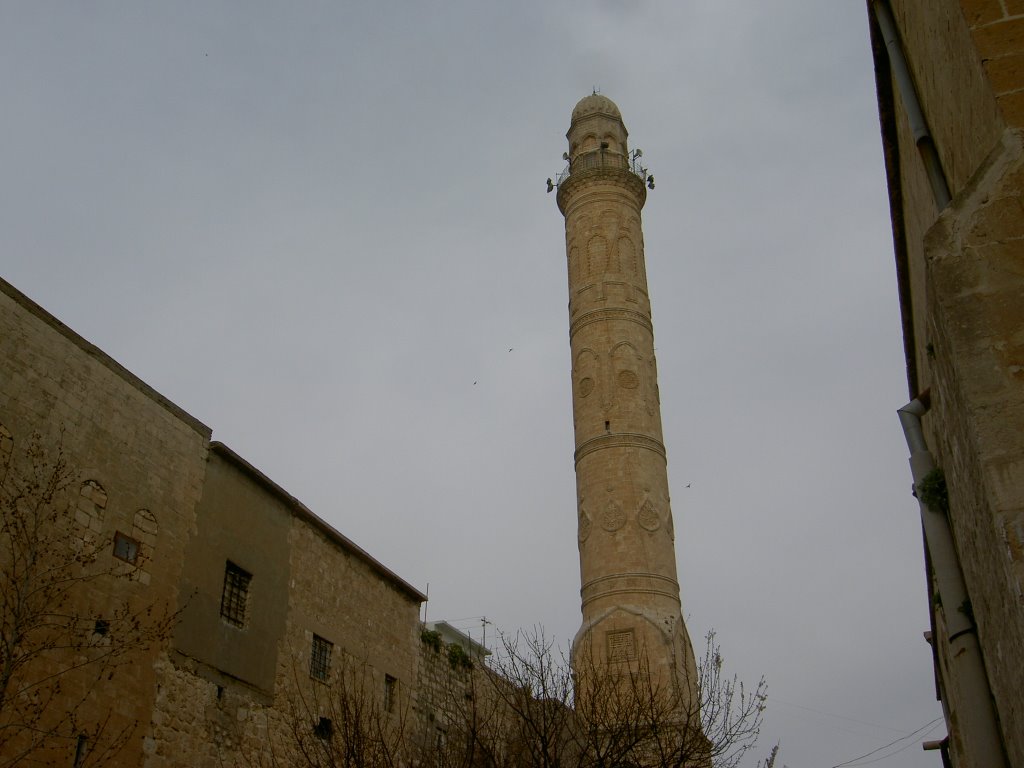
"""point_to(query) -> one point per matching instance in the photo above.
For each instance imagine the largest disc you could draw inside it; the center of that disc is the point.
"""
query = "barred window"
(390, 691)
(126, 548)
(235, 596)
(320, 658)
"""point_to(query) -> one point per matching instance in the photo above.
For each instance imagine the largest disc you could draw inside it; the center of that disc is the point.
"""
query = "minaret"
(630, 592)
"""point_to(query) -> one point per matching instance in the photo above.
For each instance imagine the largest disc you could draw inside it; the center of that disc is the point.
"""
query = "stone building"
(264, 602)
(270, 598)
(950, 82)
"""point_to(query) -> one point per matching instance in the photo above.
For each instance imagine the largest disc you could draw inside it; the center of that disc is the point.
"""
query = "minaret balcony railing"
(602, 158)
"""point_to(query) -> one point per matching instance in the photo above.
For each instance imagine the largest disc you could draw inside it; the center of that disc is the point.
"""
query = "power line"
(774, 700)
(930, 726)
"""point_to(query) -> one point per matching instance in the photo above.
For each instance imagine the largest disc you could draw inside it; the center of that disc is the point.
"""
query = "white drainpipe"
(975, 709)
(912, 104)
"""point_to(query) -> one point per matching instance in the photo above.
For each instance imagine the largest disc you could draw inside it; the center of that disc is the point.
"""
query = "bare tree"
(731, 715)
(628, 717)
(59, 639)
(522, 710)
(346, 720)
(534, 685)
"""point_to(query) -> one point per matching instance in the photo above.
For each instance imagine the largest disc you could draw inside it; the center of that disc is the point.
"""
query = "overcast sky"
(315, 225)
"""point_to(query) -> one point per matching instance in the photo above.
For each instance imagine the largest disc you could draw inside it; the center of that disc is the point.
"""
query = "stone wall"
(963, 289)
(215, 693)
(139, 463)
(213, 705)
(976, 329)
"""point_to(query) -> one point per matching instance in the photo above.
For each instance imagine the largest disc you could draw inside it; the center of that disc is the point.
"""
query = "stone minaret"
(630, 592)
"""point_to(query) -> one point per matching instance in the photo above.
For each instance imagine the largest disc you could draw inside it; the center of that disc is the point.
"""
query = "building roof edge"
(891, 153)
(104, 359)
(303, 512)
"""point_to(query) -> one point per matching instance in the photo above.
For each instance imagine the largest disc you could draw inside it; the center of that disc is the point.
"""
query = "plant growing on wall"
(932, 491)
(458, 658)
(59, 636)
(432, 639)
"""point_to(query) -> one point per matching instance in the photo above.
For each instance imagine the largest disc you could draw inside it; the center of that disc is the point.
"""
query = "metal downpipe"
(973, 702)
(912, 105)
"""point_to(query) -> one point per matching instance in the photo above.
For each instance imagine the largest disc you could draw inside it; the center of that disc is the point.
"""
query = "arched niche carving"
(91, 507)
(574, 262)
(626, 254)
(597, 255)
(586, 372)
(626, 366)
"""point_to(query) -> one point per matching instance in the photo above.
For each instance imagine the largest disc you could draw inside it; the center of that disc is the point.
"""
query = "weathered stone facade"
(310, 587)
(261, 583)
(962, 298)
(141, 462)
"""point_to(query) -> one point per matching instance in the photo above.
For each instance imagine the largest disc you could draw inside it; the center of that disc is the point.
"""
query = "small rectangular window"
(234, 598)
(320, 658)
(324, 728)
(126, 548)
(390, 693)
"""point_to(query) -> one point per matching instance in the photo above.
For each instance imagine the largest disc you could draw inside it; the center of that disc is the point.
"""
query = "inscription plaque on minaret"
(630, 592)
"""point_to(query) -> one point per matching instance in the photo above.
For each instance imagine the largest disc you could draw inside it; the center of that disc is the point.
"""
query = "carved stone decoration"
(610, 229)
(621, 645)
(585, 525)
(670, 528)
(648, 517)
(626, 368)
(628, 380)
(612, 517)
(586, 371)
(597, 256)
(650, 404)
(627, 255)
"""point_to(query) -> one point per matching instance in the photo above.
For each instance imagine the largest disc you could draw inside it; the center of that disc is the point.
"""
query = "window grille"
(126, 548)
(235, 596)
(390, 691)
(320, 658)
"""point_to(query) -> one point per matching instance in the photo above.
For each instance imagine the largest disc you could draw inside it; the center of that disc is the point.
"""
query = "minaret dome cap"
(595, 104)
